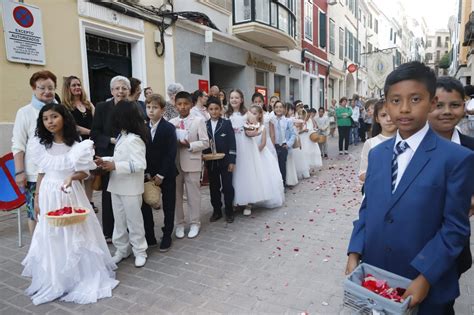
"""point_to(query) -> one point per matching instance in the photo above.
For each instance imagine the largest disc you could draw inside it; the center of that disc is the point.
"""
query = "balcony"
(267, 23)
(469, 31)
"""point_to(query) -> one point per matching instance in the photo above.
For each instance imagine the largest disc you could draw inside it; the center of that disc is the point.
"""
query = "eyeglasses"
(46, 88)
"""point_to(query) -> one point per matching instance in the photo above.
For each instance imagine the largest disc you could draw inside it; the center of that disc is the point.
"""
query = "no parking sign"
(23, 32)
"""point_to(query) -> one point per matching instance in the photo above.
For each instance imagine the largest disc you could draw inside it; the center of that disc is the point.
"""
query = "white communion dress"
(248, 177)
(267, 117)
(272, 177)
(311, 149)
(72, 263)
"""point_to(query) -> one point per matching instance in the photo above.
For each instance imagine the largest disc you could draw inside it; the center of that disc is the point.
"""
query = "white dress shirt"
(281, 122)
(455, 137)
(404, 159)
(153, 129)
(213, 126)
(355, 114)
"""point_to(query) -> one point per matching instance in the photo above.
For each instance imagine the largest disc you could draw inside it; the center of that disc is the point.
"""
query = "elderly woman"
(170, 109)
(103, 134)
(43, 84)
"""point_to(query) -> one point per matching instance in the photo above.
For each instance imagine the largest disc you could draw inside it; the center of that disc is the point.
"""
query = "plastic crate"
(363, 301)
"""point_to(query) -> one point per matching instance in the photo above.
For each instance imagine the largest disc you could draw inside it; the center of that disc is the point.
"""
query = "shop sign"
(23, 32)
(352, 68)
(261, 64)
(203, 85)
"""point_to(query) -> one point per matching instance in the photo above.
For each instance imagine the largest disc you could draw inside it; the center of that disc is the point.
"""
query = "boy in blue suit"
(160, 160)
(220, 131)
(414, 218)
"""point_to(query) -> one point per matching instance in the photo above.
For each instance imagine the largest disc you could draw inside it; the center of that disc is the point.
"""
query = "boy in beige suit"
(192, 140)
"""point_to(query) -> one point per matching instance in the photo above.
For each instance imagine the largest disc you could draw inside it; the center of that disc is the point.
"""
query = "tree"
(444, 62)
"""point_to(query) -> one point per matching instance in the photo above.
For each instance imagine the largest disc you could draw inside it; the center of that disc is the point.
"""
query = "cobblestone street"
(288, 260)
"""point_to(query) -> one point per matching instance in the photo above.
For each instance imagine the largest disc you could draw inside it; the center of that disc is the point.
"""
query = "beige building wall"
(466, 10)
(62, 37)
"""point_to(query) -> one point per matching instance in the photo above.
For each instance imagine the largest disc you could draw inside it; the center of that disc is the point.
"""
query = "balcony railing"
(269, 14)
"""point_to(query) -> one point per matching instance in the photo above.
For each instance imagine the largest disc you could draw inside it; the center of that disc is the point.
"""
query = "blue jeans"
(354, 136)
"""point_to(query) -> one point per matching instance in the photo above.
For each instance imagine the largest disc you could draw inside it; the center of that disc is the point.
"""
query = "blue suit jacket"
(424, 225)
(224, 140)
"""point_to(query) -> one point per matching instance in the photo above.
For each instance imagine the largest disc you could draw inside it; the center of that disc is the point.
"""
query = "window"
(395, 37)
(242, 10)
(364, 57)
(360, 15)
(365, 21)
(322, 38)
(391, 34)
(351, 46)
(370, 20)
(429, 56)
(438, 55)
(346, 40)
(196, 63)
(438, 42)
(321, 92)
(428, 43)
(260, 78)
(308, 20)
(262, 11)
(341, 43)
(332, 37)
(370, 47)
(446, 42)
(376, 27)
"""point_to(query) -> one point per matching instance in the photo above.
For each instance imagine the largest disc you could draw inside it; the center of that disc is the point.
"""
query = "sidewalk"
(282, 261)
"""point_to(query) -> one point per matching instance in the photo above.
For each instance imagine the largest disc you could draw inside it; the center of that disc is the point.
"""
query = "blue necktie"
(399, 149)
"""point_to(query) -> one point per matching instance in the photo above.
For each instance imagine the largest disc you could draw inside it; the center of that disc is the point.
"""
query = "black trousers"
(168, 196)
(218, 174)
(282, 154)
(107, 212)
(344, 132)
(362, 130)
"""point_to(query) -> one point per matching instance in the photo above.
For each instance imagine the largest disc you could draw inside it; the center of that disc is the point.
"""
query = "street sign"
(23, 32)
(10, 195)
(352, 68)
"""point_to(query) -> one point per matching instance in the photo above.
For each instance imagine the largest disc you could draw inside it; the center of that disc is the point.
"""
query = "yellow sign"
(254, 62)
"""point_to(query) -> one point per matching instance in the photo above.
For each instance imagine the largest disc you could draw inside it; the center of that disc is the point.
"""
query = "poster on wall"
(203, 85)
(23, 32)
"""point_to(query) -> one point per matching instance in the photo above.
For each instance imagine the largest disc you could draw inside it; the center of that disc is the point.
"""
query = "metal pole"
(19, 228)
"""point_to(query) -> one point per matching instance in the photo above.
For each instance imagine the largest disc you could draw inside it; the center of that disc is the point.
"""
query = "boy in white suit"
(127, 167)
(192, 140)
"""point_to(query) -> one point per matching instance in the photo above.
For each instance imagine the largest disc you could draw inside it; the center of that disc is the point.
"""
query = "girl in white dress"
(248, 178)
(311, 149)
(296, 165)
(271, 169)
(72, 262)
(259, 100)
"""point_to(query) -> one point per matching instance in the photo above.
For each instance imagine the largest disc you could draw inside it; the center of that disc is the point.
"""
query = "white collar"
(455, 137)
(154, 125)
(415, 140)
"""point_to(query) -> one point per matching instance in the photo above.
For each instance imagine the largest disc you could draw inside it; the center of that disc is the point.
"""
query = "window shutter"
(322, 30)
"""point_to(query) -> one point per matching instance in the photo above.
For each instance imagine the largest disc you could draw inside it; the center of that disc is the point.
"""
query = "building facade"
(254, 47)
(437, 46)
(91, 41)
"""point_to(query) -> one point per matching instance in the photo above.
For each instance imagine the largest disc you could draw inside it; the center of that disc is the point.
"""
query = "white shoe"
(118, 257)
(179, 231)
(247, 211)
(140, 261)
(193, 231)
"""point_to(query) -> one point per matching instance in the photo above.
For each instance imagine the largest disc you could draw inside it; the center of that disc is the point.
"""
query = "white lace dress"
(310, 148)
(272, 177)
(72, 263)
(248, 178)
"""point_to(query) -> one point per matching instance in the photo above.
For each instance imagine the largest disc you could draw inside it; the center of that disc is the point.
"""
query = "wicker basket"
(314, 136)
(363, 301)
(68, 219)
(152, 195)
(213, 156)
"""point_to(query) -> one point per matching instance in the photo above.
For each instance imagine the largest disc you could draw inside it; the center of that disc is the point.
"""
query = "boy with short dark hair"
(222, 137)
(414, 218)
(160, 157)
(192, 140)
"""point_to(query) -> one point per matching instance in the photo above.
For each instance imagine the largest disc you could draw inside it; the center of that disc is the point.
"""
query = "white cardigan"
(23, 131)
(130, 163)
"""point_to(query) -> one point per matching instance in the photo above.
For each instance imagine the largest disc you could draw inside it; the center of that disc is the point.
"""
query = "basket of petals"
(67, 216)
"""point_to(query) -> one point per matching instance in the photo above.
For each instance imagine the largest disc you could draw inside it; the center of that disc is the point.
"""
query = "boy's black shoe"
(165, 244)
(215, 216)
(229, 219)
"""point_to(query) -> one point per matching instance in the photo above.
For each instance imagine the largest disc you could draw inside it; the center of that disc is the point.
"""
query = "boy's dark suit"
(224, 141)
(465, 258)
(101, 132)
(423, 226)
(160, 159)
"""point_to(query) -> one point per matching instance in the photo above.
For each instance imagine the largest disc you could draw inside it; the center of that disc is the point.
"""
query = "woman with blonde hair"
(75, 99)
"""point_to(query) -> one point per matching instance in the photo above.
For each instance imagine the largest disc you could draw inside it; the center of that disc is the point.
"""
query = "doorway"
(106, 59)
(226, 75)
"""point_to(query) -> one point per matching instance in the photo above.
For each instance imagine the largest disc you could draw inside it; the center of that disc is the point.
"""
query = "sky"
(435, 12)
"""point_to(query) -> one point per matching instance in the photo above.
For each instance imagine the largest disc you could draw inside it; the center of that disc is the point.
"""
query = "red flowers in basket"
(382, 288)
(64, 210)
